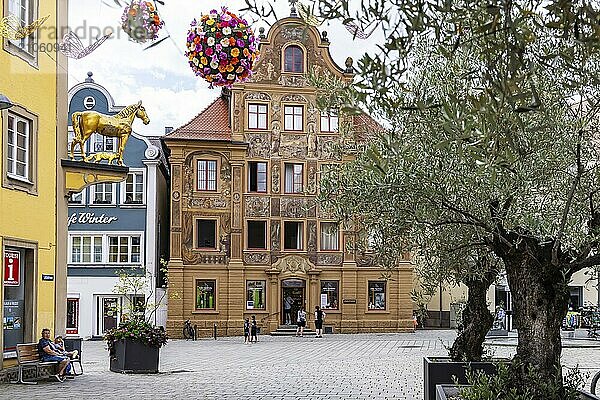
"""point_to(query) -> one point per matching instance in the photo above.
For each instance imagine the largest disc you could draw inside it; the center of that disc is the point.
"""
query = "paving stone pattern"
(365, 366)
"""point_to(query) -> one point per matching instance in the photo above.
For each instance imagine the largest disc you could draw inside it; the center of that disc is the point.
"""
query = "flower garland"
(221, 48)
(141, 21)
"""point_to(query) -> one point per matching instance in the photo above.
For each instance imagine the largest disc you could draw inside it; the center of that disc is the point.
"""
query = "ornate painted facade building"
(247, 236)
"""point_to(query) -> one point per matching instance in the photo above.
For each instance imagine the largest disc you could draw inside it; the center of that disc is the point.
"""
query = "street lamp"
(5, 102)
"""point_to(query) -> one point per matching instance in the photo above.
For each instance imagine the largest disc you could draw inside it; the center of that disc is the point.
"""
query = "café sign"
(91, 218)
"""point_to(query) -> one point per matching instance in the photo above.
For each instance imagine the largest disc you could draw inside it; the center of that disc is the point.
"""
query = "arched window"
(293, 59)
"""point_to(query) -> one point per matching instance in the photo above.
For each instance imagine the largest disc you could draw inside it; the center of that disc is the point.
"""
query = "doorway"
(109, 313)
(292, 299)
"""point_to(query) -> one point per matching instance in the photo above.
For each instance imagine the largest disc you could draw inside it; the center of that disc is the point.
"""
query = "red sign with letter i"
(12, 268)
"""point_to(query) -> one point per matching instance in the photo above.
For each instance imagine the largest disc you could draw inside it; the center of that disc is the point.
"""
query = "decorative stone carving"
(275, 206)
(312, 141)
(270, 74)
(236, 112)
(296, 207)
(296, 98)
(276, 178)
(365, 260)
(329, 149)
(275, 235)
(311, 187)
(276, 108)
(188, 178)
(292, 33)
(257, 206)
(151, 152)
(293, 146)
(329, 259)
(257, 258)
(176, 195)
(275, 138)
(257, 96)
(292, 80)
(294, 264)
(312, 236)
(258, 145)
(208, 202)
(313, 111)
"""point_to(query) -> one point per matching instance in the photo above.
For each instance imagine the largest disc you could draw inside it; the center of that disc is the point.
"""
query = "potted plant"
(135, 344)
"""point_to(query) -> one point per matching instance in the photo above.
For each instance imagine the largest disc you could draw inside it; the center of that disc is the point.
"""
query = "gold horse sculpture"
(88, 122)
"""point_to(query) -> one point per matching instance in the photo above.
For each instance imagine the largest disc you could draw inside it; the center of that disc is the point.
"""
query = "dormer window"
(293, 59)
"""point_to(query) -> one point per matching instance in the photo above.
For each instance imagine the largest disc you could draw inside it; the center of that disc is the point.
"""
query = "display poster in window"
(12, 268)
(324, 300)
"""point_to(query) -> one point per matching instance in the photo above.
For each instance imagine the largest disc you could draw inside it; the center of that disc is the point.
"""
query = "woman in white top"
(301, 322)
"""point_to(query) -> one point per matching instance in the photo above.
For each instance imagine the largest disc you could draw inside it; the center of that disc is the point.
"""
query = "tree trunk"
(477, 321)
(539, 299)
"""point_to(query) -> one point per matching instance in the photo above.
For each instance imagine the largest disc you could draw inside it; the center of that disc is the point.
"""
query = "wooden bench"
(28, 356)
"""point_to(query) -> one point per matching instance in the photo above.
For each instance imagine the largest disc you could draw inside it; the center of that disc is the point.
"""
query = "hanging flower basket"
(141, 21)
(221, 48)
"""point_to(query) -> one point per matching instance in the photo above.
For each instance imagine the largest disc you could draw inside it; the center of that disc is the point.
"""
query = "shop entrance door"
(13, 302)
(292, 299)
(109, 313)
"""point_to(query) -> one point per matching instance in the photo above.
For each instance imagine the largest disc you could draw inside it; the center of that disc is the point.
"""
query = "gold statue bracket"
(79, 174)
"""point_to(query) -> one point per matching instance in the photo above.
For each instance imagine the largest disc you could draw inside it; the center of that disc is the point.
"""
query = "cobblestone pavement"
(374, 366)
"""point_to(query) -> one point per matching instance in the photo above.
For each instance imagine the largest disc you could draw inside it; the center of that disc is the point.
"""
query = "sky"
(161, 76)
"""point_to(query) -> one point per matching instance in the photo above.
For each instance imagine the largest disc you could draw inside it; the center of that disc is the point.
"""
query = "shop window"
(72, 316)
(329, 236)
(257, 116)
(257, 177)
(133, 189)
(293, 235)
(293, 59)
(294, 178)
(255, 294)
(376, 295)
(124, 249)
(293, 118)
(205, 295)
(207, 175)
(329, 121)
(257, 235)
(207, 233)
(330, 294)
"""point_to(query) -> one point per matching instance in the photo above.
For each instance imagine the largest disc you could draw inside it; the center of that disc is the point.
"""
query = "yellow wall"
(33, 217)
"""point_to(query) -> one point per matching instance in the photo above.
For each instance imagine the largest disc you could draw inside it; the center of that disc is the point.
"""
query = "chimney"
(168, 129)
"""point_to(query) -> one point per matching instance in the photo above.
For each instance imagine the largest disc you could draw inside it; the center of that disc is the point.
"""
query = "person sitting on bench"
(48, 352)
(59, 344)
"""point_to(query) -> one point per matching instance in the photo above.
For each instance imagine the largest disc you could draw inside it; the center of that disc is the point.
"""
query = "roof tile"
(212, 123)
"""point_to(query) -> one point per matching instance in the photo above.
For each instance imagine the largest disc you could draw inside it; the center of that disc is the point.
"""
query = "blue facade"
(114, 227)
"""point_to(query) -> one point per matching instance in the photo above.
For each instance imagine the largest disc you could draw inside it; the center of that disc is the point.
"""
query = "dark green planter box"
(444, 392)
(440, 371)
(133, 357)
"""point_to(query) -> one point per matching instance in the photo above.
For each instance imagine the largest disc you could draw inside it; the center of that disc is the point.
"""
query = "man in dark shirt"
(48, 352)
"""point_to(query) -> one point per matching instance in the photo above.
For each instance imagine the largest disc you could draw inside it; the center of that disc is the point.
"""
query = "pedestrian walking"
(287, 305)
(253, 329)
(246, 330)
(319, 317)
(301, 322)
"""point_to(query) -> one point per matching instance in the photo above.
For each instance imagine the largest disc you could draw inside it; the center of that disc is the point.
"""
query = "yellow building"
(32, 195)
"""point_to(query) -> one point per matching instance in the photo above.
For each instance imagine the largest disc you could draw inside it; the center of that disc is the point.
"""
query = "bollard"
(195, 332)
(215, 331)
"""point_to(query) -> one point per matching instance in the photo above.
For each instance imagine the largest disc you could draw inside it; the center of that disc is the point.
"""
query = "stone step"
(290, 330)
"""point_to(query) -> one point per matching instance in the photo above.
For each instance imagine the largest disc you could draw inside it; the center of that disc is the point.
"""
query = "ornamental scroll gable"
(294, 265)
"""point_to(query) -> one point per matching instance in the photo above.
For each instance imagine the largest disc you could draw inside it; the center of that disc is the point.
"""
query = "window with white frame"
(329, 121)
(102, 193)
(102, 143)
(293, 118)
(257, 176)
(19, 147)
(124, 249)
(257, 116)
(77, 199)
(330, 236)
(207, 175)
(294, 178)
(293, 235)
(132, 190)
(86, 249)
(24, 11)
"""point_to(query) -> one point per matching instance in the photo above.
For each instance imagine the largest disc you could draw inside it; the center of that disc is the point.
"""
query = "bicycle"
(595, 382)
(188, 330)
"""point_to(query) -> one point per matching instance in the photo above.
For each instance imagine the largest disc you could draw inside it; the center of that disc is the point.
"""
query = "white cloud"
(160, 76)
